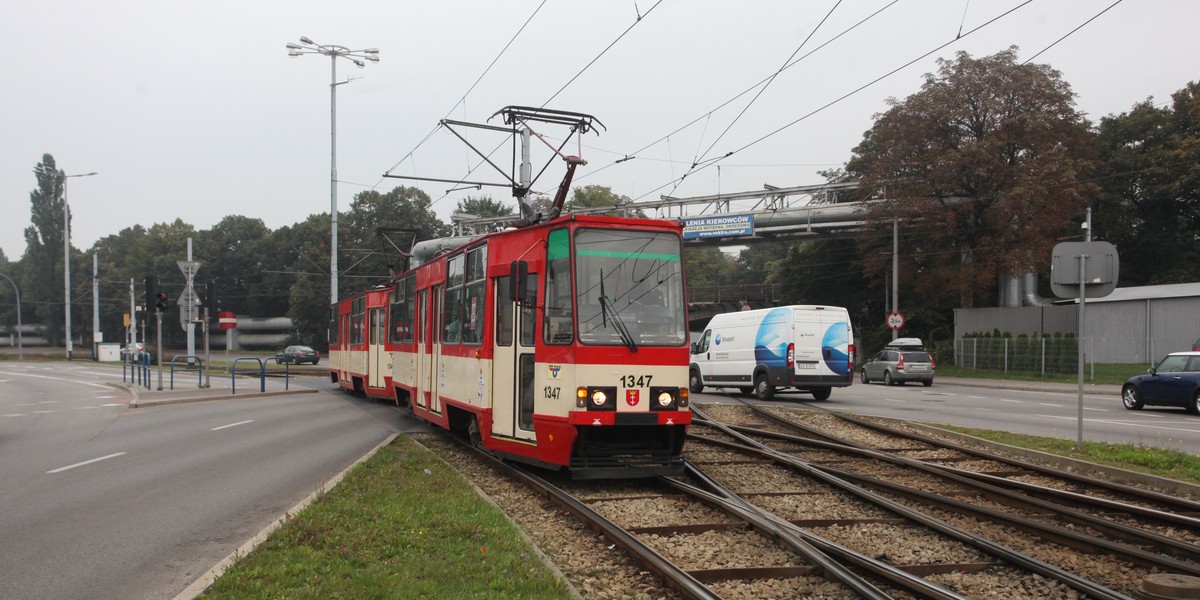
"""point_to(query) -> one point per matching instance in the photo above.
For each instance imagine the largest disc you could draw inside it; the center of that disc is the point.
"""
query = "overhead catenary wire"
(846, 95)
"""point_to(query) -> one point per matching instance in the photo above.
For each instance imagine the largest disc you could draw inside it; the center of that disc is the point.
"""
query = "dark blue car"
(1174, 381)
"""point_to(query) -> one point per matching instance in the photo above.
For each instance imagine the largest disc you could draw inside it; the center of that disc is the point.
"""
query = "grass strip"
(1143, 459)
(400, 525)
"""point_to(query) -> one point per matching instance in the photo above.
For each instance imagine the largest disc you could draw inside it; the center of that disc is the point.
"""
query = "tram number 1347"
(631, 381)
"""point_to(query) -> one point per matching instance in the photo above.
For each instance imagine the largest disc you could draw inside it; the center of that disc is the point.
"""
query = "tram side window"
(527, 319)
(403, 312)
(332, 333)
(559, 327)
(358, 315)
(504, 311)
(452, 307)
(473, 296)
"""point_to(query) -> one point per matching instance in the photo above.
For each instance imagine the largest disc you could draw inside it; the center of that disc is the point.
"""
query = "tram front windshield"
(629, 288)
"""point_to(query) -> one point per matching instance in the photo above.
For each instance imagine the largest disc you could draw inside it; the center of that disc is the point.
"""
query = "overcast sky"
(193, 110)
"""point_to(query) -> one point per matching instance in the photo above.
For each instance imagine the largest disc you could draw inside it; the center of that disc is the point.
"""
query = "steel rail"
(1116, 529)
(674, 577)
(988, 546)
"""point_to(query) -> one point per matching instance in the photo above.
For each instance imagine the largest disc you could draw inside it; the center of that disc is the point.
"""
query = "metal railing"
(261, 372)
(198, 368)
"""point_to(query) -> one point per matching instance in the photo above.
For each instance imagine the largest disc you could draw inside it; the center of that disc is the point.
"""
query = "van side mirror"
(695, 348)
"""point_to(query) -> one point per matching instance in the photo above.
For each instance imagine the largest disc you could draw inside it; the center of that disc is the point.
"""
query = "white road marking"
(231, 425)
(1049, 404)
(1013, 401)
(86, 462)
(978, 397)
(96, 385)
(13, 415)
(988, 409)
(85, 407)
(112, 405)
(43, 412)
(1096, 409)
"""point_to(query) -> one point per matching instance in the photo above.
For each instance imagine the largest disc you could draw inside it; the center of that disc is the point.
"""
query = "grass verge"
(400, 525)
(1143, 459)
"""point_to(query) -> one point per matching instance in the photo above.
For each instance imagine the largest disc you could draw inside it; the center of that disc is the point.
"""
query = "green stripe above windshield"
(627, 254)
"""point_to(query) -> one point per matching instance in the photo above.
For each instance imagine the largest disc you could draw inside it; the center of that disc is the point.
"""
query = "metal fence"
(1046, 354)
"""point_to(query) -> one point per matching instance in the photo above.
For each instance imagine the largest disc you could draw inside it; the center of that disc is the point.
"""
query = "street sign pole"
(1079, 338)
(158, 344)
(207, 359)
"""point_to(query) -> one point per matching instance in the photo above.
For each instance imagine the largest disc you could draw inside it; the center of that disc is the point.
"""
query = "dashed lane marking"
(231, 425)
(84, 463)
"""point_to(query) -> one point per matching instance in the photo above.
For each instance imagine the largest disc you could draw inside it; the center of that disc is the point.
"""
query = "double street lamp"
(67, 257)
(307, 46)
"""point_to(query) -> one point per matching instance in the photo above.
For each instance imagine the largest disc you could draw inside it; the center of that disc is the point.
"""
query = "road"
(1052, 412)
(104, 501)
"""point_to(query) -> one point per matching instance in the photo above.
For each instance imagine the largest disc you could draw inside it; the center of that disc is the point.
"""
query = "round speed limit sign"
(895, 321)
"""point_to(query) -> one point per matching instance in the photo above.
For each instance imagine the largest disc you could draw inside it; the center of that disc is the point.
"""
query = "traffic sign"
(895, 321)
(227, 320)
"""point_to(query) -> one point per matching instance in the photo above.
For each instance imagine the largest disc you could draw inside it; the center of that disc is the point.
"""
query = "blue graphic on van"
(717, 339)
(771, 341)
(835, 347)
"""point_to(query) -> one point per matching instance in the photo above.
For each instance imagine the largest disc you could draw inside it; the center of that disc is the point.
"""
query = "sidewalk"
(222, 386)
(1030, 386)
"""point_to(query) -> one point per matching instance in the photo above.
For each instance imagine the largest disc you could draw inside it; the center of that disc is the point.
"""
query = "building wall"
(1126, 331)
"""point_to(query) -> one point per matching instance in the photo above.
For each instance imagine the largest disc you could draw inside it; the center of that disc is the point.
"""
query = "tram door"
(434, 339)
(512, 372)
(422, 377)
(375, 353)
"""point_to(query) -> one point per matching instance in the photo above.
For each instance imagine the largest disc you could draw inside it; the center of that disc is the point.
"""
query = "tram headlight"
(596, 398)
(668, 398)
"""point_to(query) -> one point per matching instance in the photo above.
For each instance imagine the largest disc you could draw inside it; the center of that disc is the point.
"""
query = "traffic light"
(151, 292)
(160, 301)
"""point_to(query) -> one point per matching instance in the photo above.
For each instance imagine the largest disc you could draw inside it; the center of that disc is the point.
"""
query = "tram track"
(708, 539)
(1094, 545)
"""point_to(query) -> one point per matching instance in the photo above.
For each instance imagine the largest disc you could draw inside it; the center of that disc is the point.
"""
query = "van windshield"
(631, 280)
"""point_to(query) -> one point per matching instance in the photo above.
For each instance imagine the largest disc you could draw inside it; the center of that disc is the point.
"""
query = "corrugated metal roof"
(1144, 292)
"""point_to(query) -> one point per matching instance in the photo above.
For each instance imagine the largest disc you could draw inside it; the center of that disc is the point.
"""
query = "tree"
(600, 196)
(483, 206)
(1149, 206)
(43, 260)
(368, 259)
(984, 169)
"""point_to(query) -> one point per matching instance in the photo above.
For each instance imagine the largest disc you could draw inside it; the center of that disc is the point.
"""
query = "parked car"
(298, 355)
(133, 348)
(902, 360)
(1174, 381)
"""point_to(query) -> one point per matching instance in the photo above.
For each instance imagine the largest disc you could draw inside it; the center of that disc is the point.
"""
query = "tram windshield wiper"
(607, 310)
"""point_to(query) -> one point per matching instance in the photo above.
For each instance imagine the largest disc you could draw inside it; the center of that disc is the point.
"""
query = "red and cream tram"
(563, 343)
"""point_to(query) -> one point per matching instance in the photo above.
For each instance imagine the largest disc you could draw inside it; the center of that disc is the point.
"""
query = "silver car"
(896, 365)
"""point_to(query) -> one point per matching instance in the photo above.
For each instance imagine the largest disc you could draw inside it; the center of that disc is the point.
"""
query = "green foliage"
(1149, 205)
(402, 524)
(985, 169)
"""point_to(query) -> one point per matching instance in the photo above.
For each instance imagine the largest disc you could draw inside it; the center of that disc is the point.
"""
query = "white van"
(809, 348)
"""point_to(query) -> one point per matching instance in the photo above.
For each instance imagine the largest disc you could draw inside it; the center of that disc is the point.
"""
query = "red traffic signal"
(160, 301)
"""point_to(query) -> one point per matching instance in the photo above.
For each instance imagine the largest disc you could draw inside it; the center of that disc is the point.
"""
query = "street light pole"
(307, 46)
(20, 342)
(67, 258)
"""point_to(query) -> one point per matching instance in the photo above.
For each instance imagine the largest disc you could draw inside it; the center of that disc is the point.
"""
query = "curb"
(200, 585)
(139, 403)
